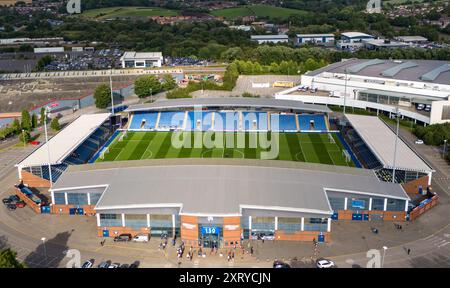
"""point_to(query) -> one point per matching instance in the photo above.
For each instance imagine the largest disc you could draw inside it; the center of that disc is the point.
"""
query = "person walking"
(408, 251)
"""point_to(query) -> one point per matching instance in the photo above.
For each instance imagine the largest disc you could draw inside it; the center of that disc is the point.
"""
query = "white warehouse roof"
(356, 34)
(142, 55)
(66, 141)
(381, 140)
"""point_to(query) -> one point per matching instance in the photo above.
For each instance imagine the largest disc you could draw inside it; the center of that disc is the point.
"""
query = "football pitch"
(303, 147)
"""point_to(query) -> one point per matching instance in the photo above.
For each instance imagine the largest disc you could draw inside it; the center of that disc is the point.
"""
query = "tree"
(8, 259)
(26, 120)
(168, 82)
(25, 136)
(147, 85)
(102, 96)
(55, 124)
(42, 117)
(16, 126)
(34, 121)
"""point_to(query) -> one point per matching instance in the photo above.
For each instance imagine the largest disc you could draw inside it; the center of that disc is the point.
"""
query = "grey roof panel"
(391, 72)
(360, 66)
(233, 102)
(433, 74)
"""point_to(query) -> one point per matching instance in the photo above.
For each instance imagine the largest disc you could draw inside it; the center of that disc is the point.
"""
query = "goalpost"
(346, 155)
(123, 135)
(105, 151)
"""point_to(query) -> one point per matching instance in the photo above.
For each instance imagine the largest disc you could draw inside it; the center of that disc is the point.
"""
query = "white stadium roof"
(66, 141)
(381, 140)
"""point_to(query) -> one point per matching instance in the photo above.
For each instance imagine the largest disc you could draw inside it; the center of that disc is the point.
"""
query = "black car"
(11, 207)
(280, 264)
(6, 201)
(11, 199)
(134, 265)
(124, 266)
(123, 238)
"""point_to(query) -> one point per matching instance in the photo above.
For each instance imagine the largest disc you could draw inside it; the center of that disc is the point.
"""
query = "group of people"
(163, 243)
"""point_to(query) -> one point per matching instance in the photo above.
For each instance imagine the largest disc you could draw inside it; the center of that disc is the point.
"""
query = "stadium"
(219, 171)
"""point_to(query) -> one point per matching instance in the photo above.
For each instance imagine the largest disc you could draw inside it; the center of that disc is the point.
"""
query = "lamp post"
(151, 94)
(397, 115)
(45, 249)
(112, 94)
(445, 148)
(23, 137)
(48, 147)
(384, 254)
(345, 90)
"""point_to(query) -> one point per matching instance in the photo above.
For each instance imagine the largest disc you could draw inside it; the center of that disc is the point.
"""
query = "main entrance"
(209, 236)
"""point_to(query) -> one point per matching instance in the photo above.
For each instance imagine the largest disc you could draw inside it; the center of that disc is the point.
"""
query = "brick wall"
(34, 181)
(386, 215)
(116, 231)
(231, 230)
(64, 209)
(189, 230)
(412, 187)
(420, 210)
(30, 203)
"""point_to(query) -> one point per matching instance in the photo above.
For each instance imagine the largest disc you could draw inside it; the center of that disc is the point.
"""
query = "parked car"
(11, 199)
(20, 204)
(123, 238)
(280, 264)
(88, 264)
(324, 263)
(124, 266)
(6, 201)
(114, 265)
(104, 264)
(141, 238)
(11, 207)
(418, 141)
(134, 265)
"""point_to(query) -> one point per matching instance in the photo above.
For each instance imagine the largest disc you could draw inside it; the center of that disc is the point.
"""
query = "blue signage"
(358, 204)
(210, 230)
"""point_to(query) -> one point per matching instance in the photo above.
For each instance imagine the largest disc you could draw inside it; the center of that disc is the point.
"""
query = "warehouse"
(302, 39)
(262, 39)
(225, 201)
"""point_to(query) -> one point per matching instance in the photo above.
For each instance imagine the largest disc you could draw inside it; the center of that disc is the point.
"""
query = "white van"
(141, 238)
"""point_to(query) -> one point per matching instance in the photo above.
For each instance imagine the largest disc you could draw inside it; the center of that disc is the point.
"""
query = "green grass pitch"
(303, 147)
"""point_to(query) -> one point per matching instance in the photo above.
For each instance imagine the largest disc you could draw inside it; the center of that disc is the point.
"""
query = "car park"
(324, 263)
(123, 238)
(88, 264)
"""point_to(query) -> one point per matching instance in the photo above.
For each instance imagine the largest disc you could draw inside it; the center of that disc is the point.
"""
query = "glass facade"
(77, 199)
(60, 199)
(110, 220)
(337, 203)
(377, 204)
(359, 203)
(395, 205)
(161, 224)
(136, 221)
(289, 225)
(95, 197)
(316, 224)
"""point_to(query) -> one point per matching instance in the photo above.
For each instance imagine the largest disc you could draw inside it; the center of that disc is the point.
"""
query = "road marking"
(442, 245)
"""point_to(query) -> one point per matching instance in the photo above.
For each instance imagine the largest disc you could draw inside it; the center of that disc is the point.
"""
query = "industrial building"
(261, 39)
(141, 59)
(420, 89)
(353, 40)
(301, 39)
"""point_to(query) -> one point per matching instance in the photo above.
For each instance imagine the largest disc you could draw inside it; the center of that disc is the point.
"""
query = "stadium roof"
(209, 187)
(391, 72)
(381, 140)
(233, 102)
(413, 74)
(66, 141)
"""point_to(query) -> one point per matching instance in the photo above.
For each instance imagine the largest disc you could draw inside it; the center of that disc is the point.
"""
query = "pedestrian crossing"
(438, 241)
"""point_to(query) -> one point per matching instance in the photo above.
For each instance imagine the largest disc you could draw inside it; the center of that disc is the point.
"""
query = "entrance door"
(209, 240)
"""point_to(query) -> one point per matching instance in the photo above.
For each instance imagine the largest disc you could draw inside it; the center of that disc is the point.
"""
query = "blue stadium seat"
(226, 121)
(171, 120)
(253, 121)
(312, 122)
(144, 120)
(282, 122)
